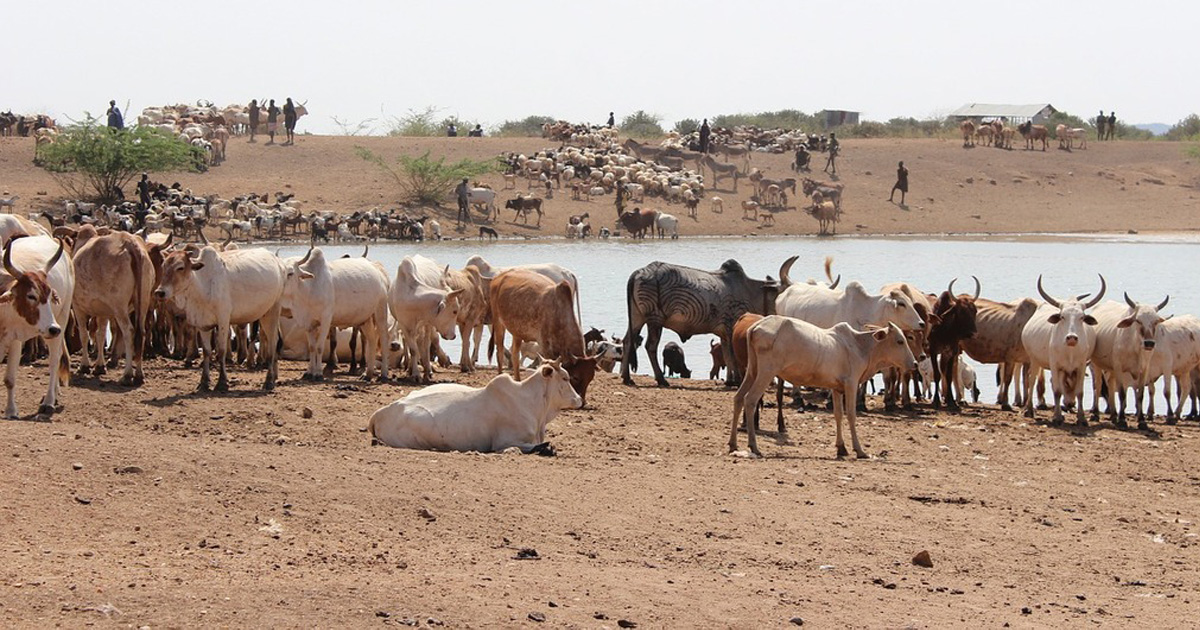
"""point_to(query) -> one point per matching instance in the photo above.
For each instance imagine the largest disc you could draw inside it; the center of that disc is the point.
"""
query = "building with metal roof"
(986, 112)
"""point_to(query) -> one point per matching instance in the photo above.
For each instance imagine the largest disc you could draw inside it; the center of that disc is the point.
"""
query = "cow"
(838, 358)
(741, 329)
(472, 313)
(535, 308)
(968, 133)
(421, 310)
(1032, 133)
(503, 414)
(485, 198)
(12, 226)
(955, 321)
(38, 287)
(523, 205)
(607, 354)
(718, 359)
(825, 306)
(321, 294)
(997, 339)
(966, 381)
(1125, 340)
(223, 289)
(1176, 354)
(1060, 336)
(114, 281)
(690, 302)
(674, 360)
(638, 222)
(896, 385)
(553, 271)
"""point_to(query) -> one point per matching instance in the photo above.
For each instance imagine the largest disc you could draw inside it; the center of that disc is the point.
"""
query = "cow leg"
(331, 364)
(839, 405)
(10, 378)
(950, 376)
(629, 347)
(1139, 392)
(117, 340)
(745, 403)
(653, 335)
(935, 362)
(268, 336)
(85, 338)
(222, 357)
(1184, 384)
(1151, 391)
(780, 385)
(100, 337)
(464, 359)
(851, 418)
(1057, 385)
(478, 339)
(314, 339)
(125, 327)
(1005, 372)
(515, 356)
(1027, 381)
(206, 361)
(57, 347)
(732, 376)
(498, 332)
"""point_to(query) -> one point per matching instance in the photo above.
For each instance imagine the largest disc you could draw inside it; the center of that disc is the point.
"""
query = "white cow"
(341, 293)
(1125, 340)
(503, 414)
(485, 197)
(1176, 354)
(421, 311)
(38, 286)
(838, 358)
(223, 289)
(667, 223)
(966, 381)
(1060, 336)
(824, 306)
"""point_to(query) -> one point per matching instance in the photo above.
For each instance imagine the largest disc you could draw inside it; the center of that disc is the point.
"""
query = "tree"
(1186, 129)
(426, 180)
(686, 126)
(530, 126)
(642, 125)
(422, 123)
(91, 161)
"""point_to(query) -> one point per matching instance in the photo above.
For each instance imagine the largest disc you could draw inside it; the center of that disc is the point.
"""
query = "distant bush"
(686, 126)
(426, 180)
(782, 119)
(641, 124)
(1186, 129)
(864, 129)
(528, 127)
(417, 124)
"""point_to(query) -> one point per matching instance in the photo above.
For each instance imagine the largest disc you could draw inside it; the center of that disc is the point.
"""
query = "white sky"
(491, 61)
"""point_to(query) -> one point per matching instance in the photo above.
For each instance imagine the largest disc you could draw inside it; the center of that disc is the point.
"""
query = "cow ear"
(304, 275)
(54, 298)
(6, 297)
(1089, 320)
(1055, 318)
(880, 334)
(441, 307)
(196, 264)
(1125, 323)
(547, 371)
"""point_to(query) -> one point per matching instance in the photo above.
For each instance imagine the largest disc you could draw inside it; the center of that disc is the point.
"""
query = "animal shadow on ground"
(167, 401)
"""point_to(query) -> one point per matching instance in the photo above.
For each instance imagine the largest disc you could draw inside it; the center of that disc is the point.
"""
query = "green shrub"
(90, 161)
(1186, 129)
(641, 124)
(782, 119)
(528, 127)
(686, 126)
(425, 180)
(417, 124)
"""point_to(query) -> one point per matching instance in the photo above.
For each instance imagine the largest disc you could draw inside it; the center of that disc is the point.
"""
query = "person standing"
(272, 120)
(461, 191)
(143, 189)
(1112, 125)
(1100, 123)
(901, 183)
(833, 148)
(115, 119)
(452, 131)
(289, 121)
(253, 111)
(705, 134)
(612, 121)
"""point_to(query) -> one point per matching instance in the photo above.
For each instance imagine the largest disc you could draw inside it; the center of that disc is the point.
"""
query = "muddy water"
(1148, 267)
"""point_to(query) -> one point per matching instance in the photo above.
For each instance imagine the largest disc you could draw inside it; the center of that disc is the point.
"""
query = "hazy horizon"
(488, 62)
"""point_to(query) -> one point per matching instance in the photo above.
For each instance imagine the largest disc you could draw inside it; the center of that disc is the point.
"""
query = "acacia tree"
(424, 179)
(90, 161)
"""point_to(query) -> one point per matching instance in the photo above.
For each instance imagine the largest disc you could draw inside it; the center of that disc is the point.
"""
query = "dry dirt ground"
(1107, 187)
(161, 507)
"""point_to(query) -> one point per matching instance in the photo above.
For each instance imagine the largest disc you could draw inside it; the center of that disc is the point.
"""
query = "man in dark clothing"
(1100, 122)
(115, 120)
(289, 121)
(143, 189)
(1112, 125)
(833, 149)
(803, 157)
(705, 133)
(611, 120)
(461, 192)
(477, 132)
(901, 183)
(621, 194)
(272, 120)
(253, 110)
(452, 131)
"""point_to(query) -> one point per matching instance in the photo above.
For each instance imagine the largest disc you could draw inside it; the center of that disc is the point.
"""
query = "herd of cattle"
(997, 134)
(69, 289)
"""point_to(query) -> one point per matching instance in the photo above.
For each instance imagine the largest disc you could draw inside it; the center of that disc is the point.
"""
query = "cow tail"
(829, 268)
(371, 429)
(631, 356)
(64, 367)
(139, 318)
(491, 344)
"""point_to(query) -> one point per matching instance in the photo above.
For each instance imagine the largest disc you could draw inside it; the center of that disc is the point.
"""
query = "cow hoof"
(128, 380)
(1081, 422)
(1028, 413)
(544, 449)
(306, 376)
(842, 452)
(139, 380)
(45, 410)
(862, 455)
(318, 378)
(203, 387)
(662, 383)
(222, 386)
(1120, 423)
(627, 381)
(1171, 420)
(83, 370)
(1142, 426)
(100, 370)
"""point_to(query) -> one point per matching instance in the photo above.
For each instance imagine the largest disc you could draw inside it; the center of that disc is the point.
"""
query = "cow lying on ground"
(503, 414)
(838, 358)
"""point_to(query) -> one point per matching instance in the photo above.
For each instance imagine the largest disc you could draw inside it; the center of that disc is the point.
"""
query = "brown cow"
(114, 278)
(956, 315)
(473, 310)
(897, 385)
(1032, 133)
(535, 308)
(718, 359)
(741, 355)
(968, 133)
(997, 339)
(638, 221)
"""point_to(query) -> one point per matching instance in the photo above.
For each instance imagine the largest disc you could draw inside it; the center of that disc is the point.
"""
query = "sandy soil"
(1107, 187)
(160, 507)
(239, 511)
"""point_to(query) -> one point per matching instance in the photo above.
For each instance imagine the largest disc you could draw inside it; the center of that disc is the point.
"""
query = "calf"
(503, 414)
(673, 360)
(838, 358)
(718, 359)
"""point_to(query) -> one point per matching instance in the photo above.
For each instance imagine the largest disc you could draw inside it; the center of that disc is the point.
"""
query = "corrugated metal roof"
(996, 110)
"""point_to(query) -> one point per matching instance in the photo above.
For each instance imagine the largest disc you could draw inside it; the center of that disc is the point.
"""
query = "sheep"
(718, 205)
(749, 209)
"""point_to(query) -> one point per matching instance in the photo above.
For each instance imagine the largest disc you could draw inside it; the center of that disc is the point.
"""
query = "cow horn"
(228, 239)
(950, 289)
(1100, 295)
(8, 266)
(1128, 301)
(1046, 296)
(170, 237)
(784, 280)
(54, 259)
(366, 248)
(833, 285)
(306, 256)
(1163, 304)
(203, 238)
(978, 288)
